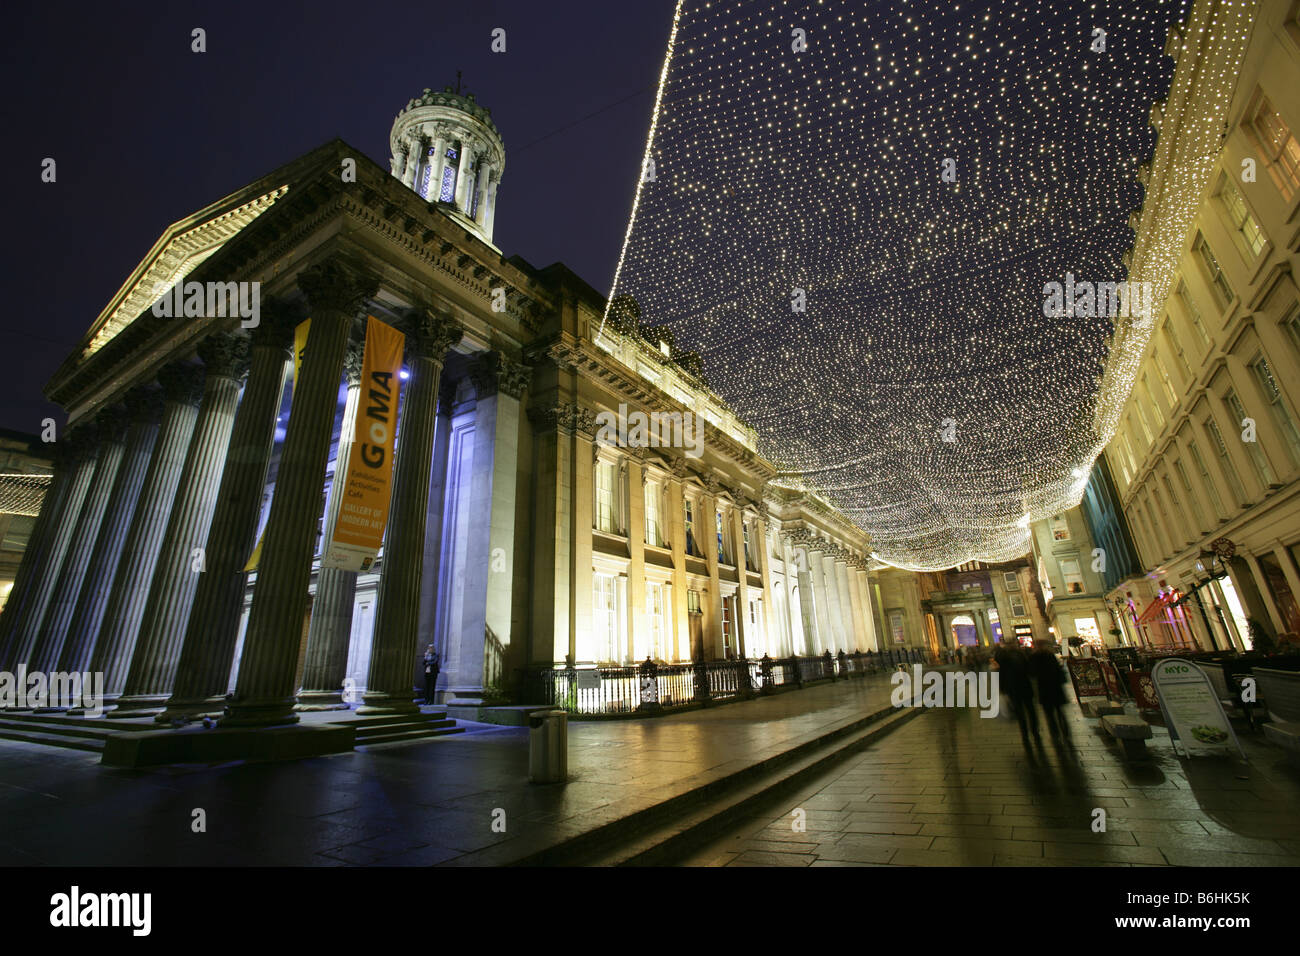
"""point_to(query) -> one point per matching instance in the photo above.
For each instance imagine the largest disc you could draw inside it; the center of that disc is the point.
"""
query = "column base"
(374, 704)
(311, 700)
(260, 713)
(193, 709)
(139, 705)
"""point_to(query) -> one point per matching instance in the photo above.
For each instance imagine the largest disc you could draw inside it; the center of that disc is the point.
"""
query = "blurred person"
(1050, 677)
(1014, 681)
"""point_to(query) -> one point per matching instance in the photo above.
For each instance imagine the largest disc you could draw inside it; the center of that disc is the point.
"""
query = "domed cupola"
(446, 147)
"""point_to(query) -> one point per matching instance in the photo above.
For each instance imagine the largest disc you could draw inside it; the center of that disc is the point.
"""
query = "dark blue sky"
(145, 132)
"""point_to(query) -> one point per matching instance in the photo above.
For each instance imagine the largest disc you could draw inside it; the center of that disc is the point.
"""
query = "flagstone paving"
(954, 789)
(418, 803)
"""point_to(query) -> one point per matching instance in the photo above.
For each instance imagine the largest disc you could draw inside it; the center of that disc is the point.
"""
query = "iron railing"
(652, 687)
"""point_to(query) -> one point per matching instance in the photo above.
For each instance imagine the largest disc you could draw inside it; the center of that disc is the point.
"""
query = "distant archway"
(964, 633)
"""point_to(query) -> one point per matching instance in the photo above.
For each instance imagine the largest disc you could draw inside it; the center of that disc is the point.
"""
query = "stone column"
(868, 608)
(145, 407)
(480, 212)
(491, 206)
(1265, 592)
(34, 556)
(32, 614)
(581, 499)
(857, 633)
(638, 622)
(208, 645)
(439, 163)
(675, 520)
(111, 425)
(488, 597)
(183, 557)
(836, 605)
(265, 693)
(330, 630)
(821, 603)
(465, 176)
(737, 519)
(390, 685)
(182, 389)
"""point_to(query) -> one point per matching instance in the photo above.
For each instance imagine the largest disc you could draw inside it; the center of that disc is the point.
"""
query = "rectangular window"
(1176, 350)
(652, 535)
(1263, 470)
(1281, 414)
(691, 549)
(693, 602)
(1142, 419)
(1162, 371)
(1191, 495)
(18, 533)
(1193, 314)
(1213, 274)
(744, 530)
(1017, 606)
(722, 552)
(654, 609)
(1011, 581)
(1292, 324)
(1244, 227)
(1281, 151)
(1060, 529)
(1072, 576)
(1174, 503)
(1150, 397)
(605, 617)
(728, 641)
(1207, 481)
(1225, 462)
(607, 517)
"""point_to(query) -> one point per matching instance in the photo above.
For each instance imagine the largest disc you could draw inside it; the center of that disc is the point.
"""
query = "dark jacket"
(1050, 677)
(1013, 673)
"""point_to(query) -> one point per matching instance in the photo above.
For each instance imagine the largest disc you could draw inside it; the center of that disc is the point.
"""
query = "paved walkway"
(423, 803)
(953, 789)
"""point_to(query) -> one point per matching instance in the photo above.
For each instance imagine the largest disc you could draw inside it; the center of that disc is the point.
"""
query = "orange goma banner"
(368, 487)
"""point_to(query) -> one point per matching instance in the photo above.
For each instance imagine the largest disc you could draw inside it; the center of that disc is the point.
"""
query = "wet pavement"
(437, 801)
(954, 789)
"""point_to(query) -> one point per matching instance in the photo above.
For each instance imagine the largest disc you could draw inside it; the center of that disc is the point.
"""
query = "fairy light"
(822, 171)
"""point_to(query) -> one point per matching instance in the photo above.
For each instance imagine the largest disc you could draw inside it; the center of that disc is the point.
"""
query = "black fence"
(652, 687)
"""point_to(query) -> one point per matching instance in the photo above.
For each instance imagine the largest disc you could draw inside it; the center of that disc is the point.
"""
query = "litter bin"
(548, 746)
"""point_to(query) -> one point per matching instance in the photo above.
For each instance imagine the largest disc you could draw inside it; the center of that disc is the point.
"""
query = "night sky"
(145, 132)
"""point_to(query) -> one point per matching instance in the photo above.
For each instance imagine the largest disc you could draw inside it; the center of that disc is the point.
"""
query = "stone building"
(520, 534)
(25, 468)
(1206, 456)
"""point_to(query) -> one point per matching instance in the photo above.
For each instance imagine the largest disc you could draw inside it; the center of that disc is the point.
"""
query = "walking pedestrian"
(1050, 677)
(1013, 680)
(430, 673)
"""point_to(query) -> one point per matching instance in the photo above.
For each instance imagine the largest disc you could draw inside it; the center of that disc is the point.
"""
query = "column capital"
(112, 423)
(275, 328)
(431, 334)
(353, 360)
(493, 372)
(182, 383)
(224, 355)
(338, 284)
(145, 405)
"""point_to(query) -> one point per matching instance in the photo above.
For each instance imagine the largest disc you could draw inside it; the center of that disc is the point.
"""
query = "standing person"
(1013, 680)
(430, 673)
(1050, 677)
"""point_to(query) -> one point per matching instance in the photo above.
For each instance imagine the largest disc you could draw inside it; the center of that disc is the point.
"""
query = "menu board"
(1193, 714)
(1085, 673)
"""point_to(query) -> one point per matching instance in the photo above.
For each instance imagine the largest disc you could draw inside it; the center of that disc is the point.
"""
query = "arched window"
(448, 191)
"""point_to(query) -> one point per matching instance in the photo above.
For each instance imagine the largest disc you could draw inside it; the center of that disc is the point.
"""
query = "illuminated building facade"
(518, 535)
(1206, 456)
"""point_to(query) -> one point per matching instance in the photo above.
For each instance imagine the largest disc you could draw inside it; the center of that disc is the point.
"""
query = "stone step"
(410, 735)
(55, 719)
(411, 726)
(60, 730)
(93, 745)
(390, 719)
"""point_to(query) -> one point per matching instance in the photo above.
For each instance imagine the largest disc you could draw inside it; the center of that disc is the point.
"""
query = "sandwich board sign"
(1193, 714)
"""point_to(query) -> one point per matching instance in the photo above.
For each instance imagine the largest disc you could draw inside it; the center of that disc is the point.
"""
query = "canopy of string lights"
(852, 212)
